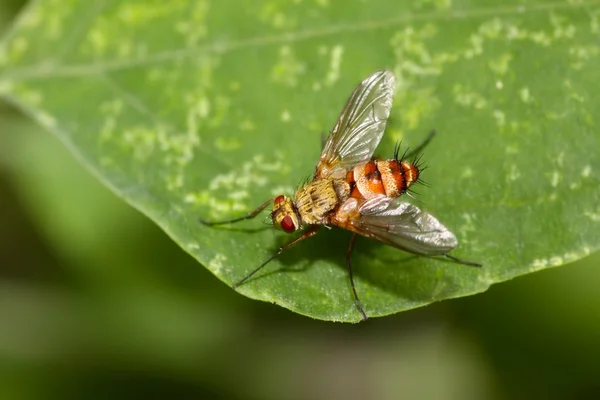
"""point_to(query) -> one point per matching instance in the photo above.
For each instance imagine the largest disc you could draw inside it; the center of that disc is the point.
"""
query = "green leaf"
(192, 109)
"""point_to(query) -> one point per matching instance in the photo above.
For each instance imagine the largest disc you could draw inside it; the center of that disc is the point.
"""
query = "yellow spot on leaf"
(287, 69)
(334, 68)
(586, 171)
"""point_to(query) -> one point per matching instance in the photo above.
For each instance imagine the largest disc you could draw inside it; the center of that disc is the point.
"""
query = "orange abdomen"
(376, 177)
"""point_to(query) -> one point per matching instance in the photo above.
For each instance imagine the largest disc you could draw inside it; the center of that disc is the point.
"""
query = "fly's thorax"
(284, 215)
(315, 200)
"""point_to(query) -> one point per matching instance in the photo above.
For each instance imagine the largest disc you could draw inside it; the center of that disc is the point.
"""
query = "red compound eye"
(278, 199)
(287, 224)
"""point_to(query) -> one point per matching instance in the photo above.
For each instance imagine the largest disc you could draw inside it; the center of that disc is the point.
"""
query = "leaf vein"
(45, 70)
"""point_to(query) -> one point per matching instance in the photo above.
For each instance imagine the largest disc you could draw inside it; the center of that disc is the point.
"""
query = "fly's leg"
(356, 300)
(420, 147)
(308, 233)
(249, 216)
(464, 262)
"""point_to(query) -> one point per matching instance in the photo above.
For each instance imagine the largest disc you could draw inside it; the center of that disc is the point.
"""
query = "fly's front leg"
(311, 231)
(249, 216)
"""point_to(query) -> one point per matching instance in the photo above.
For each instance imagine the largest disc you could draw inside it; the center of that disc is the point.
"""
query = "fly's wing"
(405, 226)
(360, 126)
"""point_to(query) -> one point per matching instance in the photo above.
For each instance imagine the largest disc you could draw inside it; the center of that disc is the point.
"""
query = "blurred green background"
(97, 302)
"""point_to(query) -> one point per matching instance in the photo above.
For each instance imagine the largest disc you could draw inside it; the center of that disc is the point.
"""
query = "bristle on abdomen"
(389, 177)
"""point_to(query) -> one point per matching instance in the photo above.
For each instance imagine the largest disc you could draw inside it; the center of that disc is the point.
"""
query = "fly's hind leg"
(356, 299)
(420, 147)
(463, 262)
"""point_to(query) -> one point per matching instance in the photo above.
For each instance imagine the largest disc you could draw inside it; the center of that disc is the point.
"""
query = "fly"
(354, 191)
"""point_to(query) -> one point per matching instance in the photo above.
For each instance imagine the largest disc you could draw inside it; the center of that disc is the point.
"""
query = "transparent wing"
(360, 126)
(405, 226)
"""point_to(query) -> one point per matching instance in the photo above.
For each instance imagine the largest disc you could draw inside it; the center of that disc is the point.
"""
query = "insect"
(353, 191)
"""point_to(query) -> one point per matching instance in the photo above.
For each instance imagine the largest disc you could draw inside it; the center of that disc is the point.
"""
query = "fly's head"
(284, 214)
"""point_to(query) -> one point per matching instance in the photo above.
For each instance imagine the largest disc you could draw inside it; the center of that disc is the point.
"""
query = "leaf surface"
(192, 109)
